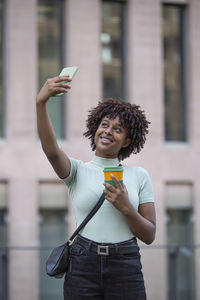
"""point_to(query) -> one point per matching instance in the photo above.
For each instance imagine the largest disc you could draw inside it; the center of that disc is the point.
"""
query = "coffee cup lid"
(113, 169)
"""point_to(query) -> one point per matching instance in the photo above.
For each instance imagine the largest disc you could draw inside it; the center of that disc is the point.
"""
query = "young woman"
(105, 259)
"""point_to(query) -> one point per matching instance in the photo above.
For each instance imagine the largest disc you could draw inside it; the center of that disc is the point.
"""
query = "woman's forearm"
(45, 130)
(142, 222)
(47, 136)
(58, 159)
(140, 226)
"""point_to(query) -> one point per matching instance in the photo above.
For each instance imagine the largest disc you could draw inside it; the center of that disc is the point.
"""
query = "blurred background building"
(144, 51)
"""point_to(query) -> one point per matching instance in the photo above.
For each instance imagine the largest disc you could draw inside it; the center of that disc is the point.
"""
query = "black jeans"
(104, 271)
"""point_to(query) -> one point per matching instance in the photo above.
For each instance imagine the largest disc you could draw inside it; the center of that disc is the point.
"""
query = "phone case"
(71, 71)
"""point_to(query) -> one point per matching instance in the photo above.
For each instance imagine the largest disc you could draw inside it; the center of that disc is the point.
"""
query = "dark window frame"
(180, 255)
(62, 134)
(47, 287)
(183, 135)
(122, 51)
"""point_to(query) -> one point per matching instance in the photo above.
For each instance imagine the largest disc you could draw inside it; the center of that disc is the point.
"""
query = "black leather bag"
(58, 261)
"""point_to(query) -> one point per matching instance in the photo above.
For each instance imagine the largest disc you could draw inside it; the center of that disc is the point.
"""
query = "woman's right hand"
(52, 87)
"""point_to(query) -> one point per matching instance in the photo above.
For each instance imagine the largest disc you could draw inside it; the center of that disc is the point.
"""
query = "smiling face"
(110, 137)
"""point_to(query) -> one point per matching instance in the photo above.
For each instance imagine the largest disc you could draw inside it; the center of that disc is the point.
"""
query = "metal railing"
(173, 254)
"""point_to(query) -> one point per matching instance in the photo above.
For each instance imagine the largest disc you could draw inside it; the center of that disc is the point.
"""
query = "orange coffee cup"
(116, 171)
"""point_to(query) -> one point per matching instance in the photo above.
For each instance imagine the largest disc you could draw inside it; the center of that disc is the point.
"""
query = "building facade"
(144, 51)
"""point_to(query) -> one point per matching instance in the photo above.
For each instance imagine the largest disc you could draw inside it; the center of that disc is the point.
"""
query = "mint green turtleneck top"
(85, 184)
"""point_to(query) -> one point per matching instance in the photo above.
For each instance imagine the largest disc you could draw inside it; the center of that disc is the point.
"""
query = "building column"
(23, 233)
(83, 49)
(144, 69)
(144, 61)
(21, 83)
(21, 62)
(193, 119)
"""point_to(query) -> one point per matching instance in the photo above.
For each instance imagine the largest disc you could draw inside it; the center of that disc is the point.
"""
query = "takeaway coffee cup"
(116, 171)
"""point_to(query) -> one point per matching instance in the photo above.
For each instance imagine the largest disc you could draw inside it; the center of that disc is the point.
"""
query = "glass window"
(1, 67)
(53, 232)
(112, 41)
(3, 254)
(3, 242)
(180, 255)
(174, 87)
(50, 47)
(180, 232)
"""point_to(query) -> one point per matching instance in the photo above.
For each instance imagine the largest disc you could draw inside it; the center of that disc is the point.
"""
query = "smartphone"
(71, 71)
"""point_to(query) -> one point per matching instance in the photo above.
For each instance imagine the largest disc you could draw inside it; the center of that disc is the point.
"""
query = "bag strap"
(89, 216)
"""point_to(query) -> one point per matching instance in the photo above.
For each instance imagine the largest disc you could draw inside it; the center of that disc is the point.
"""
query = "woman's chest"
(89, 186)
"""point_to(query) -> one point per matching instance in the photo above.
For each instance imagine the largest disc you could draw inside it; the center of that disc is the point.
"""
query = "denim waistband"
(126, 247)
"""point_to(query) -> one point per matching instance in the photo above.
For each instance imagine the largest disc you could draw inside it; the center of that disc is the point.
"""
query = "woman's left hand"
(118, 195)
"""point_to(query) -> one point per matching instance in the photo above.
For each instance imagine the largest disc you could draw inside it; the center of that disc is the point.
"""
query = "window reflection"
(50, 44)
(53, 229)
(180, 238)
(175, 108)
(3, 240)
(112, 48)
(180, 262)
(53, 232)
(3, 254)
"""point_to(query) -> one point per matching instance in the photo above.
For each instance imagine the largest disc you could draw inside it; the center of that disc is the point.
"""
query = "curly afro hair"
(130, 116)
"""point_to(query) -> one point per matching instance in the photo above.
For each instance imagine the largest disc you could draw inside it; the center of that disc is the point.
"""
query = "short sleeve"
(73, 170)
(146, 189)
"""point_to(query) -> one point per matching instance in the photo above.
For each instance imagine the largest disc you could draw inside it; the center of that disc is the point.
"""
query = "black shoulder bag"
(58, 261)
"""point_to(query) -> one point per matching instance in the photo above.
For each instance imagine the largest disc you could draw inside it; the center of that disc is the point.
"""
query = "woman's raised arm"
(58, 159)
